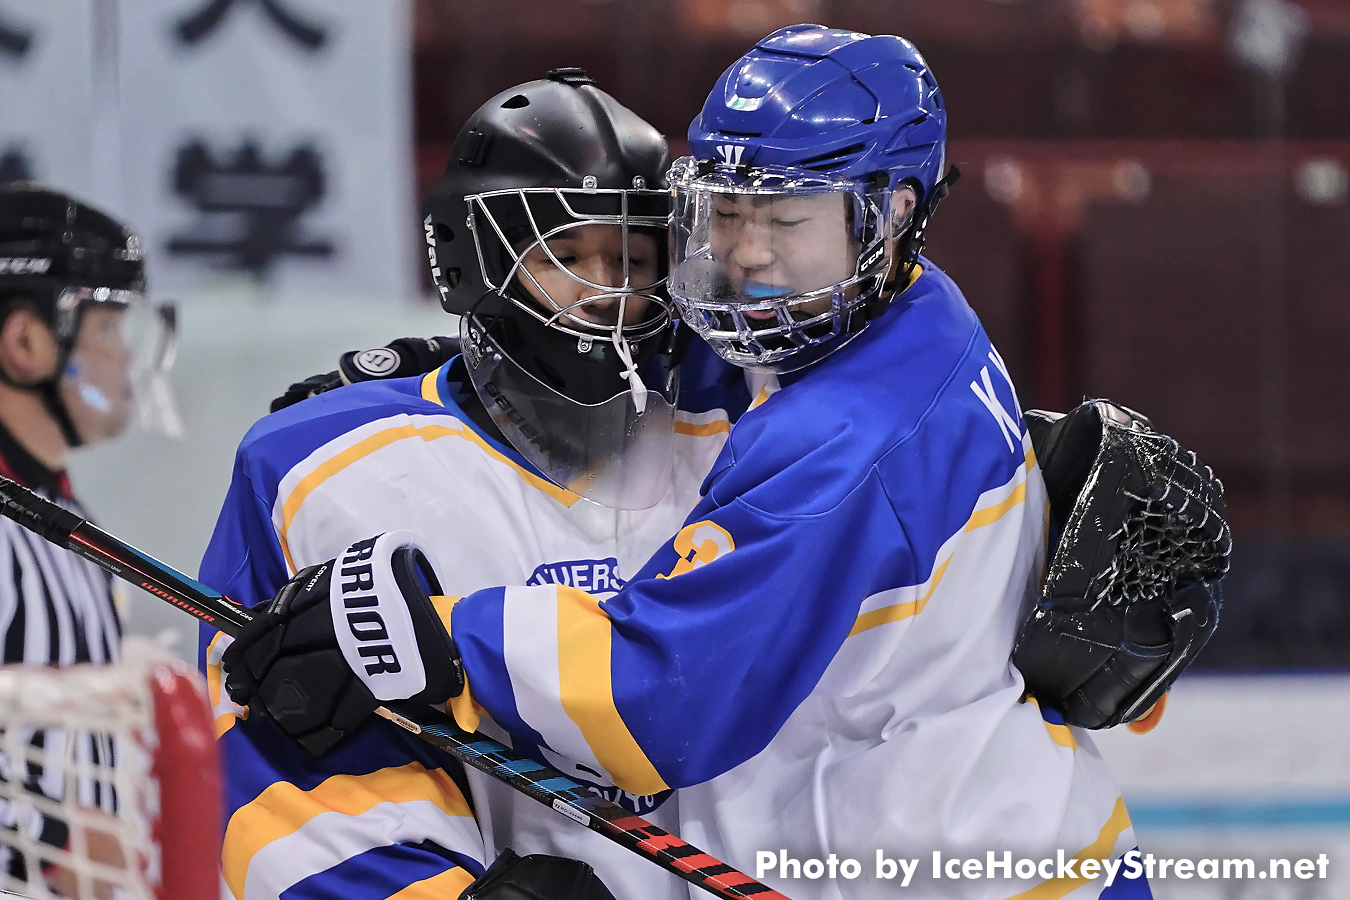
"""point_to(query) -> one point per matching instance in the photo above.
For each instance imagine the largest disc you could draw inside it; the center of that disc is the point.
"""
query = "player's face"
(774, 245)
(595, 254)
(96, 385)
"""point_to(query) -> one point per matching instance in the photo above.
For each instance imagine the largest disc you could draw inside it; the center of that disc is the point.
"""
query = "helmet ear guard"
(918, 231)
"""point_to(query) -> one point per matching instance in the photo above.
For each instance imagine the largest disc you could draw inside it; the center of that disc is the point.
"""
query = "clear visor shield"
(591, 260)
(768, 262)
(618, 453)
(117, 371)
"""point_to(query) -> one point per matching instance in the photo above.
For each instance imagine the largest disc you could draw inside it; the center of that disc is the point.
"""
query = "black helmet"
(574, 393)
(571, 142)
(61, 254)
(63, 258)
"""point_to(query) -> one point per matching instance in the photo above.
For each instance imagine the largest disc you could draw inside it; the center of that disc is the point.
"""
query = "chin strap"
(630, 372)
(50, 391)
(918, 231)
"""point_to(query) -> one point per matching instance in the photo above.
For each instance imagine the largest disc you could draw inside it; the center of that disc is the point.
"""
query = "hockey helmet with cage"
(64, 258)
(809, 111)
(572, 389)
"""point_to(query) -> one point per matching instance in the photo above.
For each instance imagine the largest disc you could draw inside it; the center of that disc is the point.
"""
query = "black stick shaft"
(531, 777)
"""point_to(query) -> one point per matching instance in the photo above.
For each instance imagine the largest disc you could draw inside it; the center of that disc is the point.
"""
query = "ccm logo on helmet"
(872, 258)
(359, 600)
(24, 265)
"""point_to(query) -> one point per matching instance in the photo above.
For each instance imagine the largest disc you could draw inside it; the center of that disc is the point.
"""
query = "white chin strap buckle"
(635, 385)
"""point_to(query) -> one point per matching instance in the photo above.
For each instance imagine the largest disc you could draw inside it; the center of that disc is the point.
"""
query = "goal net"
(109, 785)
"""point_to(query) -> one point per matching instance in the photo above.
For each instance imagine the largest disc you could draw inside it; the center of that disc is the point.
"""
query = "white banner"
(271, 138)
(47, 94)
(253, 142)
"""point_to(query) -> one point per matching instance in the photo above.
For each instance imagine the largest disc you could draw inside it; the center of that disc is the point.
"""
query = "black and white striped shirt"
(56, 609)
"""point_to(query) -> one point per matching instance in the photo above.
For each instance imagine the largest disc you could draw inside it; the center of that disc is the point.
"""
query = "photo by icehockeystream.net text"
(1062, 866)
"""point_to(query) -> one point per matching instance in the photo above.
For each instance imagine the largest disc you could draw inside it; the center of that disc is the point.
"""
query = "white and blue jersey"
(385, 815)
(818, 661)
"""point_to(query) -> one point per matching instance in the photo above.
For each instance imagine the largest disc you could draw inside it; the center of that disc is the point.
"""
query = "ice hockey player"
(69, 278)
(819, 659)
(567, 394)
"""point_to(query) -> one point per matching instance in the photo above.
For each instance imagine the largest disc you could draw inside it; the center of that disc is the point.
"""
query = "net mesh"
(1171, 535)
(92, 766)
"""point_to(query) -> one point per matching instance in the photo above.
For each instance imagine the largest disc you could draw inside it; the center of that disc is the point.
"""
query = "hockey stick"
(531, 777)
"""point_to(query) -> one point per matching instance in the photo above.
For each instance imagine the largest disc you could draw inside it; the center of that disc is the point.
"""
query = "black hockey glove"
(322, 655)
(1132, 593)
(397, 359)
(537, 877)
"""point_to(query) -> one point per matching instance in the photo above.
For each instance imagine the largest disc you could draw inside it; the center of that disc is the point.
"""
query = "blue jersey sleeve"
(244, 559)
(697, 663)
(834, 495)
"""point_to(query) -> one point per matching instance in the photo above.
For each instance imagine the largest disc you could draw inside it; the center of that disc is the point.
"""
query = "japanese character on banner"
(249, 210)
(14, 41)
(197, 26)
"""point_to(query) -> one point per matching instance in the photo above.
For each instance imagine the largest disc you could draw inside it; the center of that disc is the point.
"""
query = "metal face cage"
(508, 224)
(790, 322)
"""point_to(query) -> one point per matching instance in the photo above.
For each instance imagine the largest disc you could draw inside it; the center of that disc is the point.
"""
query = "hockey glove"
(341, 637)
(1132, 593)
(537, 877)
(397, 359)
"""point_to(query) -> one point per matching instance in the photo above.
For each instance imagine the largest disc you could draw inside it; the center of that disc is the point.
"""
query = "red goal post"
(121, 761)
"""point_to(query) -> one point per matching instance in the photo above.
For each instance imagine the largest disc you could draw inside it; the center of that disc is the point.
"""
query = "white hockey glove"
(341, 637)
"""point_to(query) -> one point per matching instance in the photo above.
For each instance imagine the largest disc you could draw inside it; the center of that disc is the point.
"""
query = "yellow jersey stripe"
(381, 439)
(215, 690)
(899, 611)
(444, 606)
(464, 709)
(990, 515)
(587, 694)
(978, 519)
(282, 809)
(703, 429)
(1098, 849)
(450, 883)
(1060, 734)
(429, 391)
(330, 467)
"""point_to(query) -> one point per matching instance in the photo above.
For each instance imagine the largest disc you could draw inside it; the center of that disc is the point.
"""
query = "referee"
(68, 275)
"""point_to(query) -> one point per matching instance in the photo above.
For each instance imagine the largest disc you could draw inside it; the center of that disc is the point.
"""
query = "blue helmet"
(825, 100)
(808, 111)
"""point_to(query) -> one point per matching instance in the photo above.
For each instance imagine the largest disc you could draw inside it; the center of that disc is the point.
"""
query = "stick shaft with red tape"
(529, 776)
